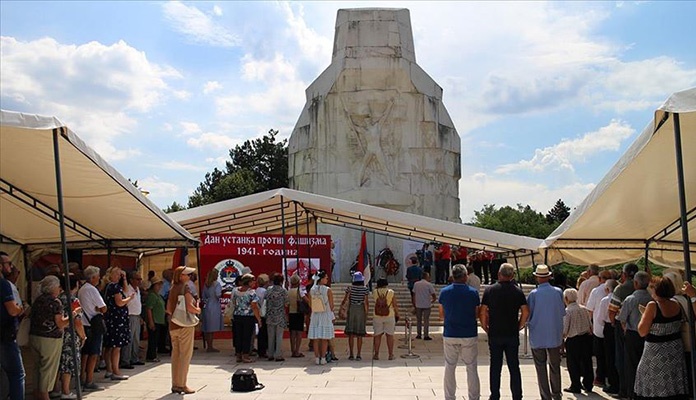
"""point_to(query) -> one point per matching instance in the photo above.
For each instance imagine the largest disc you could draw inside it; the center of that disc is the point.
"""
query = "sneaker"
(91, 386)
(138, 363)
(69, 396)
(108, 375)
(115, 377)
(318, 361)
(322, 361)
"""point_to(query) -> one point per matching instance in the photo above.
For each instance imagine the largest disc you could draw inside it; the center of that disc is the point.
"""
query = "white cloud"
(217, 10)
(167, 127)
(181, 166)
(197, 26)
(190, 128)
(211, 86)
(479, 189)
(158, 188)
(213, 141)
(563, 155)
(94, 88)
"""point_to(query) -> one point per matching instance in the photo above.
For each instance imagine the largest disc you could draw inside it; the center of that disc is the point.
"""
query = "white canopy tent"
(278, 209)
(635, 210)
(102, 209)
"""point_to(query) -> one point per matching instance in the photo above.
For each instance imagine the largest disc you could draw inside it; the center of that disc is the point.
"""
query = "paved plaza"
(300, 379)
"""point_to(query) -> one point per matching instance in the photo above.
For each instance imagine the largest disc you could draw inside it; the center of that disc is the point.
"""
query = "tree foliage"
(174, 207)
(558, 213)
(255, 166)
(522, 220)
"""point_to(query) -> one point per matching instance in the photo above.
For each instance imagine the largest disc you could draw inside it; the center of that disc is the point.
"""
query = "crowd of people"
(632, 324)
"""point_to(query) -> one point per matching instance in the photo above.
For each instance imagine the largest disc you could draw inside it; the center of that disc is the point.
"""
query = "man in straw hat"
(546, 312)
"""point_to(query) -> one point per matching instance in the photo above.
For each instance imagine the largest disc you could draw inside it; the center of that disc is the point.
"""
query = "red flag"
(363, 260)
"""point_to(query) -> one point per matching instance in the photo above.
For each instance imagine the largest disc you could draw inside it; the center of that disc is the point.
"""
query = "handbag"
(97, 325)
(245, 380)
(23, 332)
(181, 316)
(343, 310)
(317, 301)
(302, 306)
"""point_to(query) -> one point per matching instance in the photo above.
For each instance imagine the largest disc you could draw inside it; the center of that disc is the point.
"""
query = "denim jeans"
(510, 347)
(11, 363)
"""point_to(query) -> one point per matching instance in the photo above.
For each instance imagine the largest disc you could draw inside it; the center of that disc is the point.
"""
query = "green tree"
(558, 213)
(174, 207)
(255, 166)
(522, 220)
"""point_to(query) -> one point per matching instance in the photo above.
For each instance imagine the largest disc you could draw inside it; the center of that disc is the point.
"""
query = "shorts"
(382, 325)
(93, 344)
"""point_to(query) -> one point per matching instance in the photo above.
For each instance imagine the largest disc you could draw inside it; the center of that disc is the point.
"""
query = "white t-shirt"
(90, 299)
(135, 306)
(596, 296)
(261, 292)
(585, 289)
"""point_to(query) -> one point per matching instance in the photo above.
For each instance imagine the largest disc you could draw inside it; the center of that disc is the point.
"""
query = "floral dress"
(67, 364)
(116, 318)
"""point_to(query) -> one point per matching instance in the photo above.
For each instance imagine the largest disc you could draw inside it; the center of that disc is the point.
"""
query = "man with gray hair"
(459, 306)
(630, 317)
(588, 284)
(92, 306)
(502, 321)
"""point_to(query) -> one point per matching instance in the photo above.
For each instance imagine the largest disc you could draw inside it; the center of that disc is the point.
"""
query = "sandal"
(351, 358)
(375, 357)
(247, 360)
(358, 358)
(391, 356)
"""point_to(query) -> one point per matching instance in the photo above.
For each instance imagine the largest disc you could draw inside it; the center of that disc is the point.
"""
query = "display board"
(263, 254)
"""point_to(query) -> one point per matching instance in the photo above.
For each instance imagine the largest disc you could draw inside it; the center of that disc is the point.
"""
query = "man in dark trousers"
(615, 303)
(502, 320)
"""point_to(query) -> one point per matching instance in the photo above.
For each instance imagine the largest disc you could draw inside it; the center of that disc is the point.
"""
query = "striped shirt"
(357, 294)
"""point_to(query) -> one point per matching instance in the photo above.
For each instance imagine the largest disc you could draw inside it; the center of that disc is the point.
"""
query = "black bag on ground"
(244, 380)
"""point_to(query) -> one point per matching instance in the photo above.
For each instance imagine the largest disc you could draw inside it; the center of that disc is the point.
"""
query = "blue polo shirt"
(546, 312)
(459, 301)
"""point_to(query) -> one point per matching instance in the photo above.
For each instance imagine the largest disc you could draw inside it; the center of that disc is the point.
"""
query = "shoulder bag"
(302, 306)
(181, 316)
(343, 310)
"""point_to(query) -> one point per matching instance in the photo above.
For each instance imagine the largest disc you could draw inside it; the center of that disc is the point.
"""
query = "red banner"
(263, 254)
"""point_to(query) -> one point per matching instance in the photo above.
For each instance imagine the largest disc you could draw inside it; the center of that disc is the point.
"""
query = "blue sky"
(546, 96)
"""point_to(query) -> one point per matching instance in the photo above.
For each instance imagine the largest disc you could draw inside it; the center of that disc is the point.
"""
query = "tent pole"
(647, 263)
(685, 232)
(546, 256)
(282, 231)
(64, 249)
(519, 282)
(297, 253)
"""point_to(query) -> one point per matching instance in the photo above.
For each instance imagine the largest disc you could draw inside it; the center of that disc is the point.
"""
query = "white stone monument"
(374, 129)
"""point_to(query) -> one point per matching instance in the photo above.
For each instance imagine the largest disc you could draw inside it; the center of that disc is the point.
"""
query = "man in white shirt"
(601, 314)
(589, 284)
(92, 304)
(593, 300)
(130, 353)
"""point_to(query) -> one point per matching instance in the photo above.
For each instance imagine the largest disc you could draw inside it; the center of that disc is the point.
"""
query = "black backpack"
(244, 380)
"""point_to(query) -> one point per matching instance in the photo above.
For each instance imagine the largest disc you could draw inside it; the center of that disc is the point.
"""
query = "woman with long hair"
(182, 336)
(212, 311)
(117, 332)
(321, 328)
